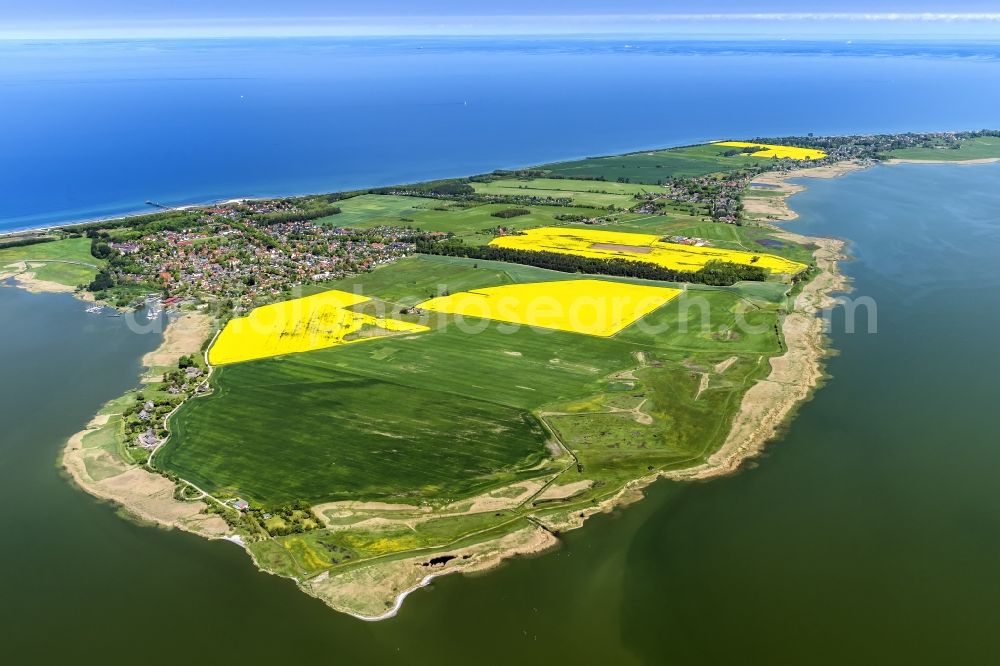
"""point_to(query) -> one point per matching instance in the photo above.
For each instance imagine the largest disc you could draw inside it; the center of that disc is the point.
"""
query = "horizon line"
(497, 25)
(634, 36)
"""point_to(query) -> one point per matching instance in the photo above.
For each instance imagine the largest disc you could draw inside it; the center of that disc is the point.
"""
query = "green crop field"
(536, 188)
(291, 429)
(443, 414)
(68, 261)
(522, 369)
(984, 147)
(472, 223)
(654, 166)
(598, 193)
(371, 210)
(452, 412)
(70, 249)
(570, 185)
(473, 410)
(68, 274)
(710, 320)
(687, 422)
(418, 278)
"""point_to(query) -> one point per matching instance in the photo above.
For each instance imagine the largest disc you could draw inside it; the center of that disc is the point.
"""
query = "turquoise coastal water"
(869, 532)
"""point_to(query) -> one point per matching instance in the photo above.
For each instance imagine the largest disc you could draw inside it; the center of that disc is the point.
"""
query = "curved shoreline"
(981, 160)
(767, 406)
(761, 416)
(24, 278)
(139, 491)
(375, 582)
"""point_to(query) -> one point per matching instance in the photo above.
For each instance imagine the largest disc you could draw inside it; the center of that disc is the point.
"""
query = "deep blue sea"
(97, 128)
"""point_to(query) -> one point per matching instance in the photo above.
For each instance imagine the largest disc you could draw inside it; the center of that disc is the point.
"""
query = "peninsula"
(369, 389)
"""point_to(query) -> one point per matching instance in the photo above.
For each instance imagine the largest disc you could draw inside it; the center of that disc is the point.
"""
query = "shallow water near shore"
(869, 531)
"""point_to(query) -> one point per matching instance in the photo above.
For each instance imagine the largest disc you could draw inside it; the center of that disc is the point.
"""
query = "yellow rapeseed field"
(299, 325)
(782, 152)
(592, 307)
(601, 244)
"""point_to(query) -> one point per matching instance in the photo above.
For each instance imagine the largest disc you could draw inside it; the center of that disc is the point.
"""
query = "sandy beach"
(25, 278)
(183, 336)
(377, 591)
(775, 208)
(769, 207)
(794, 375)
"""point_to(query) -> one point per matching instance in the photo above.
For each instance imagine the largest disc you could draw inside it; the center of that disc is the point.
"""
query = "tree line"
(27, 241)
(166, 219)
(437, 188)
(508, 213)
(714, 273)
(283, 217)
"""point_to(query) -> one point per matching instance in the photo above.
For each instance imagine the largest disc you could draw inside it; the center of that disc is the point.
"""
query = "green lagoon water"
(868, 533)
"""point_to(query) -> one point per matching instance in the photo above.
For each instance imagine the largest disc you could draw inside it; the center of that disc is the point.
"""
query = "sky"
(696, 18)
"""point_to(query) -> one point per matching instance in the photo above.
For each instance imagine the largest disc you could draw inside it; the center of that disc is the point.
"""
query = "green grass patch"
(414, 279)
(448, 414)
(105, 438)
(296, 428)
(656, 166)
(56, 255)
(571, 185)
(984, 147)
(588, 193)
(687, 421)
(709, 320)
(372, 210)
(68, 274)
(472, 223)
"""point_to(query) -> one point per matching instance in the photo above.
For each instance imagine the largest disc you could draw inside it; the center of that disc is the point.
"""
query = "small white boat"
(95, 309)
(153, 314)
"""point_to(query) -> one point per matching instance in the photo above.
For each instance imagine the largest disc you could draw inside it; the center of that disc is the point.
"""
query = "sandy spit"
(776, 208)
(24, 277)
(984, 160)
(377, 591)
(183, 335)
(140, 492)
(794, 375)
